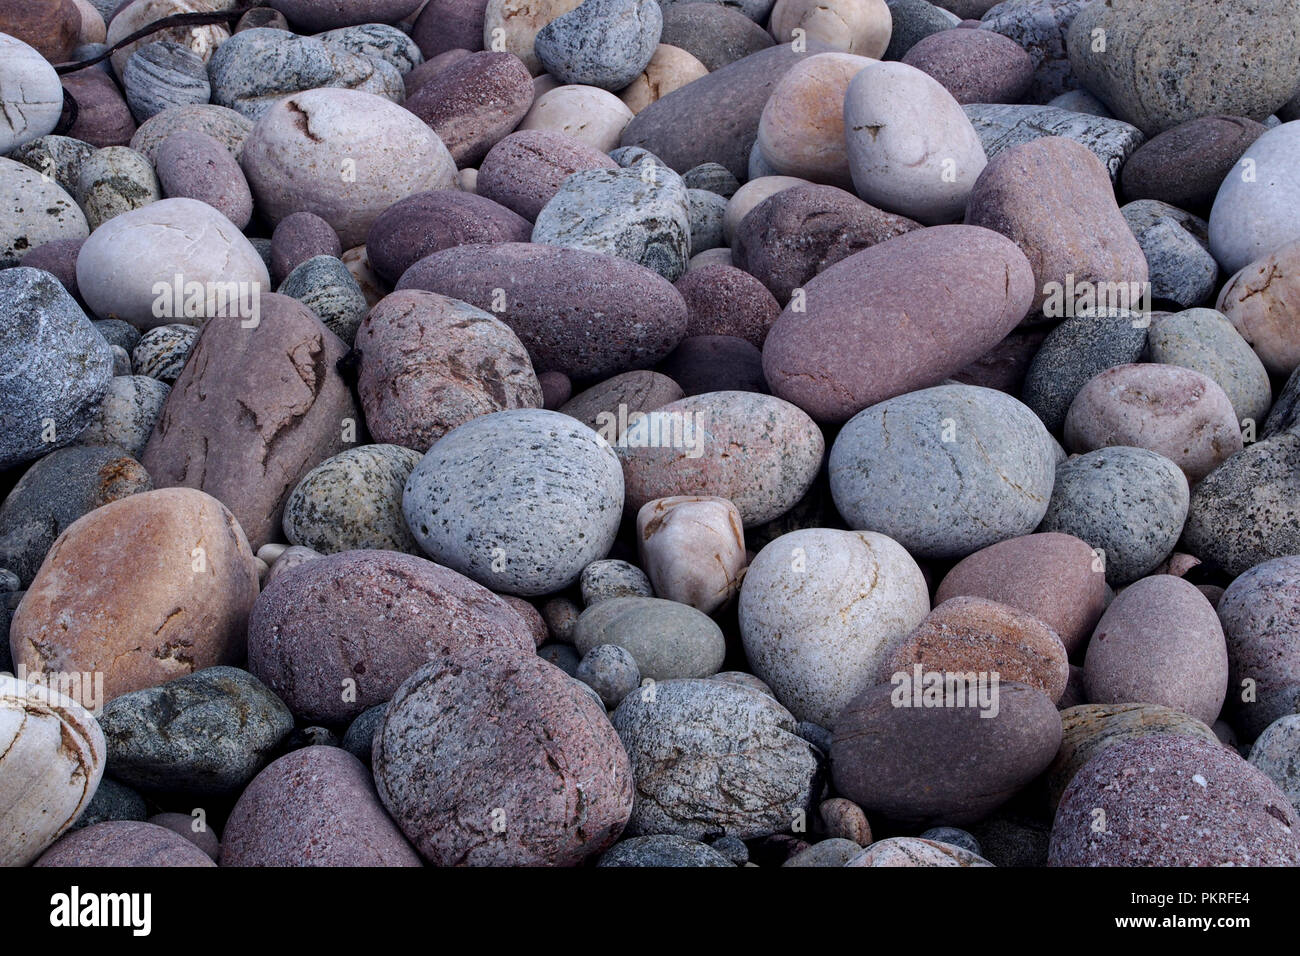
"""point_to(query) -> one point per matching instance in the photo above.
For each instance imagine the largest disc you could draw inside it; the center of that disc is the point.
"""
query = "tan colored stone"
(669, 69)
(854, 26)
(693, 549)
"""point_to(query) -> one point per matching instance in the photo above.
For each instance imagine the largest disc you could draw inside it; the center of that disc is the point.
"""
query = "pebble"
(377, 41)
(1159, 642)
(831, 852)
(815, 642)
(30, 94)
(1002, 126)
(693, 549)
(683, 741)
(194, 165)
(33, 212)
(944, 471)
(950, 765)
(124, 263)
(844, 819)
(161, 75)
(191, 828)
(514, 26)
(429, 222)
(1028, 190)
(88, 608)
(360, 735)
(299, 237)
(639, 391)
(53, 493)
(973, 634)
(713, 177)
(1235, 539)
(57, 367)
(601, 43)
(757, 451)
(525, 169)
(1090, 729)
(953, 837)
(203, 735)
(57, 156)
(464, 506)
(1258, 613)
(564, 657)
(913, 852)
(1053, 576)
(666, 639)
(861, 27)
(1258, 301)
(353, 501)
(114, 181)
(643, 218)
(663, 849)
(724, 300)
(444, 774)
(669, 69)
(1081, 347)
(610, 578)
(1255, 209)
(797, 233)
(112, 801)
(326, 286)
(1240, 72)
(911, 149)
(103, 116)
(593, 117)
(836, 352)
(1185, 166)
(706, 211)
(1040, 26)
(1173, 800)
(51, 762)
(313, 807)
(227, 127)
(611, 671)
(124, 843)
(282, 407)
(127, 414)
(345, 156)
(714, 34)
(1205, 341)
(556, 296)
(338, 634)
(1276, 754)
(1176, 246)
(473, 103)
(161, 352)
(1129, 504)
(1175, 412)
(975, 66)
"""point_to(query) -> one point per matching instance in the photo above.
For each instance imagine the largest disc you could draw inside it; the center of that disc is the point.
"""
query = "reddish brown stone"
(370, 617)
(449, 25)
(1186, 165)
(474, 102)
(975, 66)
(103, 118)
(313, 807)
(1055, 577)
(724, 300)
(429, 222)
(524, 170)
(123, 843)
(799, 232)
(51, 26)
(299, 237)
(253, 411)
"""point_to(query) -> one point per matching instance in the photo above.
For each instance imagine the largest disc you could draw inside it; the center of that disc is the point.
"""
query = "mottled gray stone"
(662, 850)
(668, 640)
(54, 366)
(353, 501)
(1285, 414)
(1003, 125)
(713, 177)
(711, 757)
(706, 210)
(326, 286)
(205, 734)
(954, 837)
(1080, 101)
(833, 852)
(161, 352)
(1176, 245)
(33, 211)
(602, 43)
(639, 216)
(1276, 754)
(944, 471)
(1247, 510)
(59, 157)
(127, 414)
(608, 578)
(1074, 352)
(113, 181)
(610, 671)
(1128, 503)
(254, 70)
(1204, 340)
(562, 656)
(360, 736)
(164, 74)
(378, 41)
(521, 501)
(755, 10)
(112, 801)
